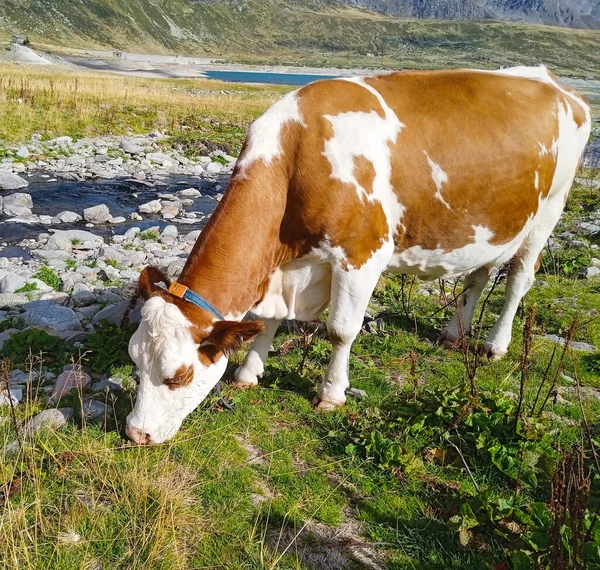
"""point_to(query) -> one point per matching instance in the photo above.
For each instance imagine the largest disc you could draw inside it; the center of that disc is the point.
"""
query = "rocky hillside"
(571, 13)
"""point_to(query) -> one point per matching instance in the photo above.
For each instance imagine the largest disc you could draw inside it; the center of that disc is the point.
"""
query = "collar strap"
(187, 294)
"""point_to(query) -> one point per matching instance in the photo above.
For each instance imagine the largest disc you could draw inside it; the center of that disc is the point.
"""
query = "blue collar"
(187, 294)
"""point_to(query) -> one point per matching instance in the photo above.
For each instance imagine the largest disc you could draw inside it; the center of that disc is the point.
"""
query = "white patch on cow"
(299, 289)
(162, 343)
(439, 178)
(536, 181)
(368, 135)
(264, 135)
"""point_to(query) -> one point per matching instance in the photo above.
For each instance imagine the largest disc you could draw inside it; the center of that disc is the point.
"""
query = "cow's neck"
(239, 248)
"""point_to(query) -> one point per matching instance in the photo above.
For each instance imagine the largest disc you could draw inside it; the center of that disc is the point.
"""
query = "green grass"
(233, 489)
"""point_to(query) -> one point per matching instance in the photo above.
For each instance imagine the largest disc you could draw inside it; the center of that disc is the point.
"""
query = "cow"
(436, 174)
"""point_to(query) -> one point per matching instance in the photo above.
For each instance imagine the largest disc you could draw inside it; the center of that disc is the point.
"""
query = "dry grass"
(61, 102)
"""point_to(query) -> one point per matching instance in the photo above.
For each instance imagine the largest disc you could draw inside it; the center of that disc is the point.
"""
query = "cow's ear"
(148, 279)
(228, 336)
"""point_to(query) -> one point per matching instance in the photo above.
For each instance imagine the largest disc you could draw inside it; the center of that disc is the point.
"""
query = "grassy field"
(441, 464)
(59, 102)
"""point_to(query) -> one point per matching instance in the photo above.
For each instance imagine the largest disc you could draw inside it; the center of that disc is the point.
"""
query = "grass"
(275, 484)
(57, 103)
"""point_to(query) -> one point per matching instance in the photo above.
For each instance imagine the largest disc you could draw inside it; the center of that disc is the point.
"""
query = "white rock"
(97, 214)
(592, 272)
(11, 282)
(152, 207)
(68, 217)
(10, 181)
(214, 168)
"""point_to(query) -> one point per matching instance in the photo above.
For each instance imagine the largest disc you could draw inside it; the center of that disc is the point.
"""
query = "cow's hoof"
(326, 405)
(493, 352)
(242, 380)
(448, 340)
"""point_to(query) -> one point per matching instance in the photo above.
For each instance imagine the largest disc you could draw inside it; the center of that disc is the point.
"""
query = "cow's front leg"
(253, 367)
(350, 294)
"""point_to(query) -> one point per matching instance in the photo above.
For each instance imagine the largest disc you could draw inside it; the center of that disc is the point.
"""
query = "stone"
(40, 285)
(12, 299)
(97, 214)
(582, 346)
(592, 272)
(169, 209)
(16, 395)
(53, 418)
(191, 237)
(80, 237)
(588, 228)
(114, 313)
(189, 193)
(10, 181)
(214, 168)
(152, 207)
(94, 410)
(68, 217)
(48, 314)
(160, 158)
(11, 282)
(112, 384)
(83, 298)
(60, 243)
(118, 220)
(18, 200)
(62, 142)
(169, 235)
(23, 152)
(131, 147)
(67, 381)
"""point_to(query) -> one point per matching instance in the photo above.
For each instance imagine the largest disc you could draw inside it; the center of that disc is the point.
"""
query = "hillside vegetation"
(312, 33)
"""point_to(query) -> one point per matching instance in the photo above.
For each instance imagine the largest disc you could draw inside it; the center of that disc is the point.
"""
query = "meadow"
(440, 460)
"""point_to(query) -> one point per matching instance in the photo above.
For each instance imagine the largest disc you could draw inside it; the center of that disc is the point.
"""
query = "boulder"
(94, 410)
(68, 380)
(97, 214)
(11, 282)
(12, 299)
(48, 314)
(169, 235)
(189, 193)
(131, 147)
(68, 217)
(59, 242)
(114, 313)
(10, 181)
(112, 384)
(53, 418)
(83, 298)
(152, 207)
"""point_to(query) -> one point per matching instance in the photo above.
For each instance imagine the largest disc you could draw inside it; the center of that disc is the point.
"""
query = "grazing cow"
(435, 174)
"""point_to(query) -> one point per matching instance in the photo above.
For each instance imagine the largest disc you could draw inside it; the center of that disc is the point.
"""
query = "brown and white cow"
(435, 174)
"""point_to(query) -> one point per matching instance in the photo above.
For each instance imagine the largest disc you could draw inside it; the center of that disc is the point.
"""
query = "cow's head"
(181, 352)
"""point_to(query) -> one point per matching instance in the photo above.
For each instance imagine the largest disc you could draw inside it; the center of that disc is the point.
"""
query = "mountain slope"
(570, 13)
(311, 32)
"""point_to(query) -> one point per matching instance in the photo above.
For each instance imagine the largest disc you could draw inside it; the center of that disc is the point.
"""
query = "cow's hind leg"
(350, 294)
(520, 279)
(460, 324)
(253, 367)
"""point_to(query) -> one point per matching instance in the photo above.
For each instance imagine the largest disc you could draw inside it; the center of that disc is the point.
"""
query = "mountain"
(320, 33)
(570, 13)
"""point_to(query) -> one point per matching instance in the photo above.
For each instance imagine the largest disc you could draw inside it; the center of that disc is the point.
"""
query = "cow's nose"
(137, 435)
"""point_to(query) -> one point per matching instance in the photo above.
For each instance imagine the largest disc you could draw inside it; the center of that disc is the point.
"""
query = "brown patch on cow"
(579, 113)
(488, 154)
(229, 336)
(364, 173)
(184, 376)
(147, 281)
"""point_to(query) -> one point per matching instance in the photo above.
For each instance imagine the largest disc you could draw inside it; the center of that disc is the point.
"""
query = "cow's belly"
(299, 289)
(441, 264)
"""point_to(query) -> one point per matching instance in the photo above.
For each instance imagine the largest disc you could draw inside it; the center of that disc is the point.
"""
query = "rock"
(23, 152)
(169, 209)
(189, 193)
(93, 410)
(131, 147)
(169, 235)
(67, 381)
(152, 207)
(588, 227)
(80, 237)
(40, 285)
(160, 158)
(17, 200)
(97, 214)
(53, 418)
(112, 384)
(595, 262)
(118, 220)
(592, 272)
(191, 237)
(11, 282)
(83, 298)
(68, 217)
(114, 313)
(12, 299)
(10, 181)
(356, 393)
(582, 346)
(135, 217)
(47, 314)
(61, 142)
(214, 168)
(16, 395)
(60, 243)
(567, 379)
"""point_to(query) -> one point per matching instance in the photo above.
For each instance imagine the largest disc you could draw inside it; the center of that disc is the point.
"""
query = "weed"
(49, 276)
(108, 345)
(70, 263)
(27, 288)
(149, 235)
